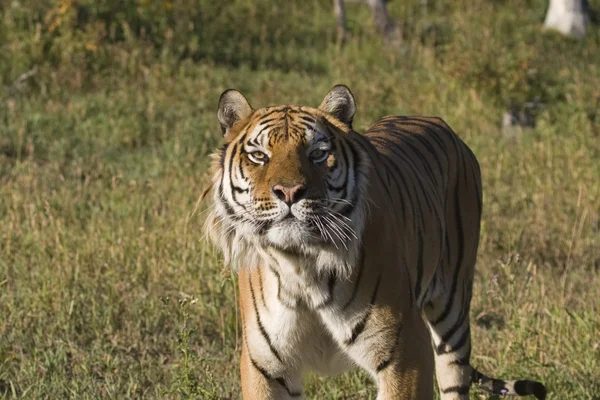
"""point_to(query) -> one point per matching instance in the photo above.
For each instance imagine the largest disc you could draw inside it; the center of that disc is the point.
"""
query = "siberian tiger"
(351, 249)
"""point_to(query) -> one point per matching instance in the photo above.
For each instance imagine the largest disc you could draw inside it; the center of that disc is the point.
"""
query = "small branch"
(20, 81)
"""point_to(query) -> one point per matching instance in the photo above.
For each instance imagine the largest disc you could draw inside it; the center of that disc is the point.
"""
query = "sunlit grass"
(107, 289)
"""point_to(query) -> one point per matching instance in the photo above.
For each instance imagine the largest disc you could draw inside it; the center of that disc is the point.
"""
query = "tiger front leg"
(270, 364)
(409, 373)
(396, 351)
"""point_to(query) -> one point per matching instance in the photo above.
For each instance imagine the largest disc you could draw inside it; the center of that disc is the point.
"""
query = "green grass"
(107, 289)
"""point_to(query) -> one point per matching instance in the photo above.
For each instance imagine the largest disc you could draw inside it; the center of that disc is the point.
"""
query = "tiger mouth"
(289, 216)
(292, 223)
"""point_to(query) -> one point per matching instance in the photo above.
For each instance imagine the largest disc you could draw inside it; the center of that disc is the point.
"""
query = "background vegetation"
(107, 289)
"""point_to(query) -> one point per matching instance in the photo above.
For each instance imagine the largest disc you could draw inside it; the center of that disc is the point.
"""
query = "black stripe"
(433, 134)
(357, 282)
(498, 386)
(296, 133)
(230, 172)
(360, 326)
(240, 168)
(400, 188)
(462, 360)
(396, 149)
(454, 139)
(461, 251)
(422, 158)
(419, 265)
(254, 141)
(464, 339)
(417, 181)
(307, 119)
(387, 189)
(428, 121)
(271, 111)
(436, 139)
(388, 178)
(260, 287)
(286, 123)
(266, 121)
(335, 188)
(260, 325)
(222, 156)
(337, 170)
(476, 178)
(457, 389)
(279, 380)
(387, 362)
(442, 349)
(228, 209)
(356, 163)
(464, 314)
(403, 205)
(306, 126)
(395, 167)
(239, 189)
(279, 298)
(348, 165)
(524, 388)
(424, 141)
(330, 287)
(384, 364)
(386, 161)
(260, 369)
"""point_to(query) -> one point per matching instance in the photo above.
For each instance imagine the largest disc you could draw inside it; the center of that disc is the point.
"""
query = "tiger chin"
(352, 250)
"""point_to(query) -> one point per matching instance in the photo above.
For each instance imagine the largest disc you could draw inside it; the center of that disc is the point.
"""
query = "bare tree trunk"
(340, 14)
(424, 6)
(569, 17)
(384, 23)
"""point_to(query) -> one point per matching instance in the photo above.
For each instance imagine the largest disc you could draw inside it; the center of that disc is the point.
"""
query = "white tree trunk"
(569, 17)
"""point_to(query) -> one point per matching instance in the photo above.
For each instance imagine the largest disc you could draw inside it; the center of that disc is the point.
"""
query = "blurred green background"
(107, 118)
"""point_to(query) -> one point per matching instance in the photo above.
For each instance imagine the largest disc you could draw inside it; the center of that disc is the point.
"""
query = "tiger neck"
(309, 277)
(320, 260)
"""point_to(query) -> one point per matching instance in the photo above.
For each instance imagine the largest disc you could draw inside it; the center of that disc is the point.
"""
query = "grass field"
(107, 289)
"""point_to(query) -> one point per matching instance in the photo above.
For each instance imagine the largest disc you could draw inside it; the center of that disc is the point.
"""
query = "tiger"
(351, 250)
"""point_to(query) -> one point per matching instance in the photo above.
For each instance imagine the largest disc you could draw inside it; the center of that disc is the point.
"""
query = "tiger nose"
(289, 194)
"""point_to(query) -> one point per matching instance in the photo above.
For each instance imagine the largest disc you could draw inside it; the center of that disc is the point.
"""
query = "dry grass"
(107, 291)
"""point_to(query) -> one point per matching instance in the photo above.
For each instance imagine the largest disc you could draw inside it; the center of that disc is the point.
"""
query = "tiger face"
(286, 178)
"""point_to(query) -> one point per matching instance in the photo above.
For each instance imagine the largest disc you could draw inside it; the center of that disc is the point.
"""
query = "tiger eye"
(258, 157)
(319, 155)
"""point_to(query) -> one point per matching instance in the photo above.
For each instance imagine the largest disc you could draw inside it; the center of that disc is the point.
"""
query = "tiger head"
(287, 178)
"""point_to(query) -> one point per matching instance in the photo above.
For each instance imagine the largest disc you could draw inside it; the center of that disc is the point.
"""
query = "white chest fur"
(307, 313)
(300, 280)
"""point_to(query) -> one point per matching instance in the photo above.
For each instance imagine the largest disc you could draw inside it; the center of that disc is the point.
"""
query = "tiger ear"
(233, 107)
(339, 102)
